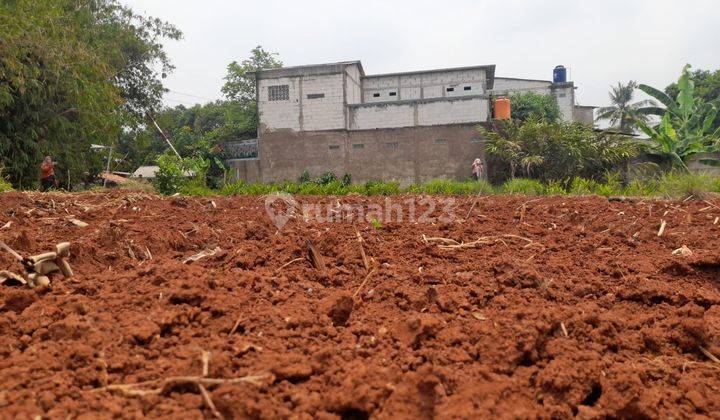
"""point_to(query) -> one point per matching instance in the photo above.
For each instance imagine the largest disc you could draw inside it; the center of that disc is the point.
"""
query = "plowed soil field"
(526, 307)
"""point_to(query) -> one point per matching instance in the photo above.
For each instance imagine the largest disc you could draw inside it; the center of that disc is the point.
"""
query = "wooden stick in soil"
(315, 257)
(471, 208)
(366, 263)
(709, 355)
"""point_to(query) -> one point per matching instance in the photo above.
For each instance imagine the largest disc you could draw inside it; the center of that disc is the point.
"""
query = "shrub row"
(671, 185)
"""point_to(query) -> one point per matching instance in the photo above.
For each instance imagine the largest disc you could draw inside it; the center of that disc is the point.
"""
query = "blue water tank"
(560, 74)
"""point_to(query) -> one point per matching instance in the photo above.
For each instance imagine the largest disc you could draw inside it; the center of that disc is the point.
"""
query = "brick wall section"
(327, 113)
(424, 85)
(285, 114)
(247, 170)
(408, 155)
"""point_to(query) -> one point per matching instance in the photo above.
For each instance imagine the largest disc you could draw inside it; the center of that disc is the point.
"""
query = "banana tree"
(685, 127)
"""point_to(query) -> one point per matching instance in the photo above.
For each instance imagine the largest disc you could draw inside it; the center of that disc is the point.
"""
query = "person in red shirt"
(47, 173)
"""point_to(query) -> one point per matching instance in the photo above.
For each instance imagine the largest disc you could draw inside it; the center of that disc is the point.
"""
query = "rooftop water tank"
(559, 74)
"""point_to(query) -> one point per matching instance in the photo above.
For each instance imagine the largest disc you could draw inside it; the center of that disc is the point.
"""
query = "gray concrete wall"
(407, 155)
(247, 170)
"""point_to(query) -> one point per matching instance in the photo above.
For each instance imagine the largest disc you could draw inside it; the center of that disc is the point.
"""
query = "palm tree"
(622, 113)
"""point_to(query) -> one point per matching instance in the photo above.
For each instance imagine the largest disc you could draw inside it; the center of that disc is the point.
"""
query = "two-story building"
(409, 127)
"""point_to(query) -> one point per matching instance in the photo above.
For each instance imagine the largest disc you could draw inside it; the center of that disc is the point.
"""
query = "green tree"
(707, 88)
(686, 125)
(556, 151)
(240, 81)
(73, 73)
(530, 104)
(623, 113)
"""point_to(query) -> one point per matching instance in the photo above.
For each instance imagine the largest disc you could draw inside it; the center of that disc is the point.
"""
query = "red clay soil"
(596, 317)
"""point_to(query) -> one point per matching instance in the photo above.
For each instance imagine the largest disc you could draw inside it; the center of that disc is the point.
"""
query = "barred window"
(279, 93)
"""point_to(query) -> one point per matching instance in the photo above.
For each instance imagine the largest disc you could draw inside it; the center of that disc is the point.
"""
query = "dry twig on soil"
(202, 254)
(367, 277)
(445, 243)
(290, 262)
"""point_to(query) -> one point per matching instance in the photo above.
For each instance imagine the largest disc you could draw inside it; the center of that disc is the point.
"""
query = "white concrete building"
(409, 126)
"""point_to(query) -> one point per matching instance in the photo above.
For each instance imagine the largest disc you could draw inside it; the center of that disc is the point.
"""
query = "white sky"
(602, 42)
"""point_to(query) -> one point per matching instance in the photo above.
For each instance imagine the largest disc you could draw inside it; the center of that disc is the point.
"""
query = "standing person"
(478, 169)
(47, 173)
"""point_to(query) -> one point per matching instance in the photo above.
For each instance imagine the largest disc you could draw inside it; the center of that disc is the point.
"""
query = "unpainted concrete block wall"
(408, 155)
(432, 84)
(327, 113)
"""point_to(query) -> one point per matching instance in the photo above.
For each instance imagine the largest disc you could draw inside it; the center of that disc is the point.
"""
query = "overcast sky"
(602, 42)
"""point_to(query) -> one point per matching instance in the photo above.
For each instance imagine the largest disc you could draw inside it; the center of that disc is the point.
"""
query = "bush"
(326, 178)
(4, 183)
(523, 186)
(382, 188)
(304, 177)
(555, 151)
(175, 172)
(530, 104)
(444, 186)
(555, 188)
(682, 185)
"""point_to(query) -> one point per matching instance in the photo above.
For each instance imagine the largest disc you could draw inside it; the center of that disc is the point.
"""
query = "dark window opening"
(393, 93)
(474, 139)
(315, 95)
(440, 141)
(467, 88)
(451, 89)
(392, 145)
(376, 95)
(334, 146)
(358, 146)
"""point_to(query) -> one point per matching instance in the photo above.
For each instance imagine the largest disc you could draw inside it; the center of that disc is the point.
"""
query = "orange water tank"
(501, 109)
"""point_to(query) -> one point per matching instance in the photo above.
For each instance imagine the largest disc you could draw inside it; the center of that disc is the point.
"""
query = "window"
(440, 141)
(358, 146)
(334, 146)
(315, 95)
(450, 89)
(561, 95)
(393, 93)
(392, 145)
(279, 93)
(467, 88)
(376, 95)
(474, 139)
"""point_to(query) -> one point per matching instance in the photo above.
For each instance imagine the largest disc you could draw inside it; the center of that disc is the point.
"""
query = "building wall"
(353, 84)
(433, 84)
(585, 114)
(418, 113)
(503, 85)
(408, 155)
(279, 114)
(247, 170)
(327, 112)
(564, 94)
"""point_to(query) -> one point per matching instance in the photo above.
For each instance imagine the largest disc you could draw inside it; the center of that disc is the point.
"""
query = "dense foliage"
(526, 105)
(686, 127)
(556, 151)
(707, 88)
(72, 73)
